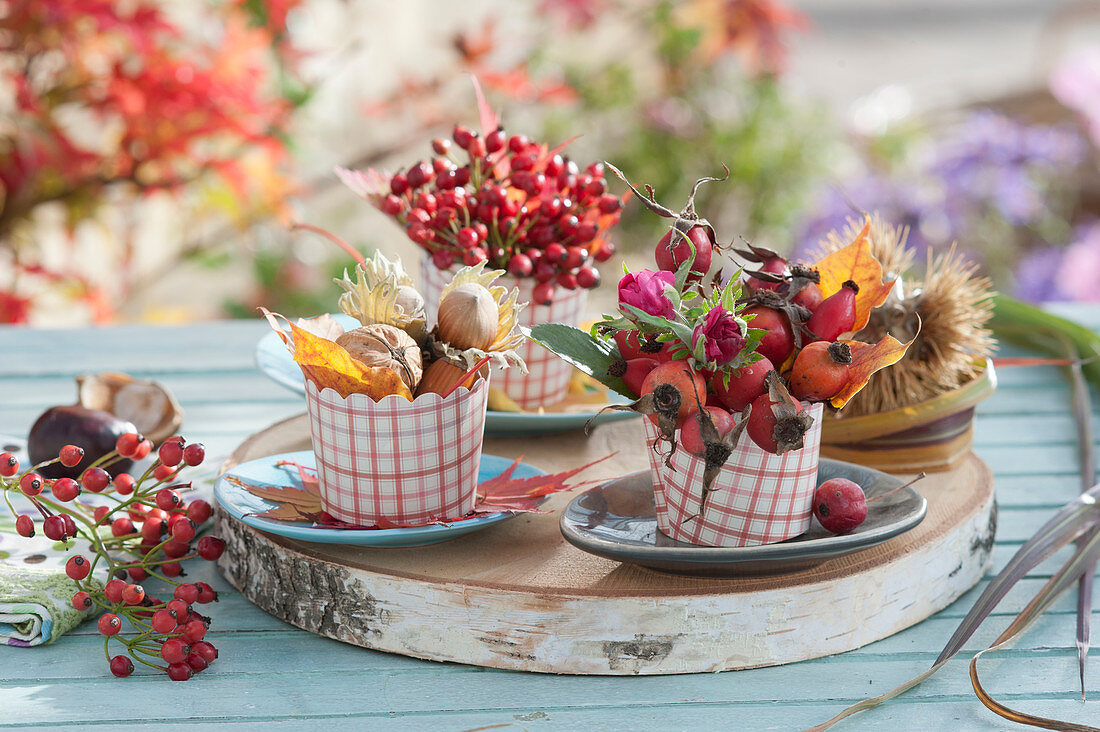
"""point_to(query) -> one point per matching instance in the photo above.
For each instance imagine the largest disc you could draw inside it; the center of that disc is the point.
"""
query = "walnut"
(385, 346)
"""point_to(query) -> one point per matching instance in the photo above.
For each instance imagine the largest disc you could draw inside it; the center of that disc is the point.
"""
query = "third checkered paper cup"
(396, 461)
(758, 498)
(547, 379)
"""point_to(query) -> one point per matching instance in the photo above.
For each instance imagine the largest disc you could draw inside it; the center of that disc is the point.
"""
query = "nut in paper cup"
(758, 498)
(547, 379)
(408, 463)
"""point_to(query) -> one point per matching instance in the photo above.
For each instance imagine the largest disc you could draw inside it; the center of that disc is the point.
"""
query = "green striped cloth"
(35, 593)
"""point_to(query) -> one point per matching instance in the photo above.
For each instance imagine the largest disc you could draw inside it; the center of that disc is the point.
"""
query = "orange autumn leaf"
(855, 262)
(328, 365)
(867, 358)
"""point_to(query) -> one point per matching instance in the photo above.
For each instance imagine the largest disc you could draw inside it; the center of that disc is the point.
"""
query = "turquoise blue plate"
(244, 506)
(275, 362)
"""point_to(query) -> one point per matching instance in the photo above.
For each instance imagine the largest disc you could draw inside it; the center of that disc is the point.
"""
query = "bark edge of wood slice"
(517, 596)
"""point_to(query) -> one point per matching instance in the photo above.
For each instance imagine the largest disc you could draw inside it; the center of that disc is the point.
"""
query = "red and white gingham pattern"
(547, 377)
(759, 498)
(405, 462)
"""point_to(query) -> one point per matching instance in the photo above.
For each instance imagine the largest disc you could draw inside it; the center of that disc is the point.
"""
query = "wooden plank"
(901, 714)
(227, 418)
(1047, 491)
(245, 385)
(143, 349)
(287, 697)
(80, 657)
(267, 690)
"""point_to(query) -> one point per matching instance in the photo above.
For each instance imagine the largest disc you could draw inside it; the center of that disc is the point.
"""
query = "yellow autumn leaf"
(867, 358)
(328, 365)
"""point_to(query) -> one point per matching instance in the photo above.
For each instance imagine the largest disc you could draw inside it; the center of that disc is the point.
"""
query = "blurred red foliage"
(111, 94)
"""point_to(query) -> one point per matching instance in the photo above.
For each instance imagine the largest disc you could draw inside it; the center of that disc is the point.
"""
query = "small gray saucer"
(617, 520)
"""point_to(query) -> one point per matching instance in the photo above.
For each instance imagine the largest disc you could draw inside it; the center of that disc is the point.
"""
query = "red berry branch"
(503, 199)
(148, 532)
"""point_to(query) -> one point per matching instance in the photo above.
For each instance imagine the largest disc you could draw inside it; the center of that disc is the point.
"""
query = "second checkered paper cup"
(394, 461)
(547, 379)
(758, 497)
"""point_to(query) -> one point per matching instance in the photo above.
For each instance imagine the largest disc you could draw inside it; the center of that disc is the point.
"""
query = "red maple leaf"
(302, 502)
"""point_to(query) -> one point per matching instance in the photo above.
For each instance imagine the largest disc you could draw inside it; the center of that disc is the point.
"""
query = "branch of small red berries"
(512, 202)
(165, 635)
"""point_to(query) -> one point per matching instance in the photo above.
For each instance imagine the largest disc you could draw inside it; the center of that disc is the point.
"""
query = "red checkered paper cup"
(547, 379)
(408, 463)
(758, 498)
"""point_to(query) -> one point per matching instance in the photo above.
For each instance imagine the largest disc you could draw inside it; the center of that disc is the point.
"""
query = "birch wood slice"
(517, 596)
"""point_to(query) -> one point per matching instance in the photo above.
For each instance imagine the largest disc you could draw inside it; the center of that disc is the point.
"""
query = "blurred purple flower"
(1036, 275)
(990, 183)
(1056, 273)
(992, 160)
(905, 203)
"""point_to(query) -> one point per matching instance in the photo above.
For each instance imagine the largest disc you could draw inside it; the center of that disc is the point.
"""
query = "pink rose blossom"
(723, 332)
(645, 290)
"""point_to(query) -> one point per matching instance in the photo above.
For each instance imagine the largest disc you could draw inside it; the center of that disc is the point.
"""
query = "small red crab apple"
(840, 505)
(9, 464)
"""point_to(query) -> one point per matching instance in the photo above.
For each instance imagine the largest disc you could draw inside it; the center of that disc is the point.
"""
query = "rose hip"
(778, 344)
(808, 297)
(745, 385)
(777, 422)
(820, 371)
(633, 372)
(690, 387)
(691, 433)
(836, 314)
(670, 255)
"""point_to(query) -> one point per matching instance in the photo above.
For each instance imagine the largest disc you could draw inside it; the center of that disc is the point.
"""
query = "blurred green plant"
(697, 87)
(772, 150)
(686, 106)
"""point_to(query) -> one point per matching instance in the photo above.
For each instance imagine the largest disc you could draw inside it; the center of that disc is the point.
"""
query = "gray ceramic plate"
(617, 520)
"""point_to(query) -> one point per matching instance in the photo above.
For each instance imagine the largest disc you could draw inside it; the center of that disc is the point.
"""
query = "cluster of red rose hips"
(152, 530)
(787, 302)
(510, 202)
(801, 326)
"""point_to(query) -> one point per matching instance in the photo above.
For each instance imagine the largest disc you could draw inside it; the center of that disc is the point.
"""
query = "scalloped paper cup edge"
(397, 461)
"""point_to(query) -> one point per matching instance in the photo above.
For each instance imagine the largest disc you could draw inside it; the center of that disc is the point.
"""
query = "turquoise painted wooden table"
(273, 676)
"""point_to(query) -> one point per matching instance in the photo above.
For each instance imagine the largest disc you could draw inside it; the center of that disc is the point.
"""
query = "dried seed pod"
(468, 317)
(147, 404)
(385, 346)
